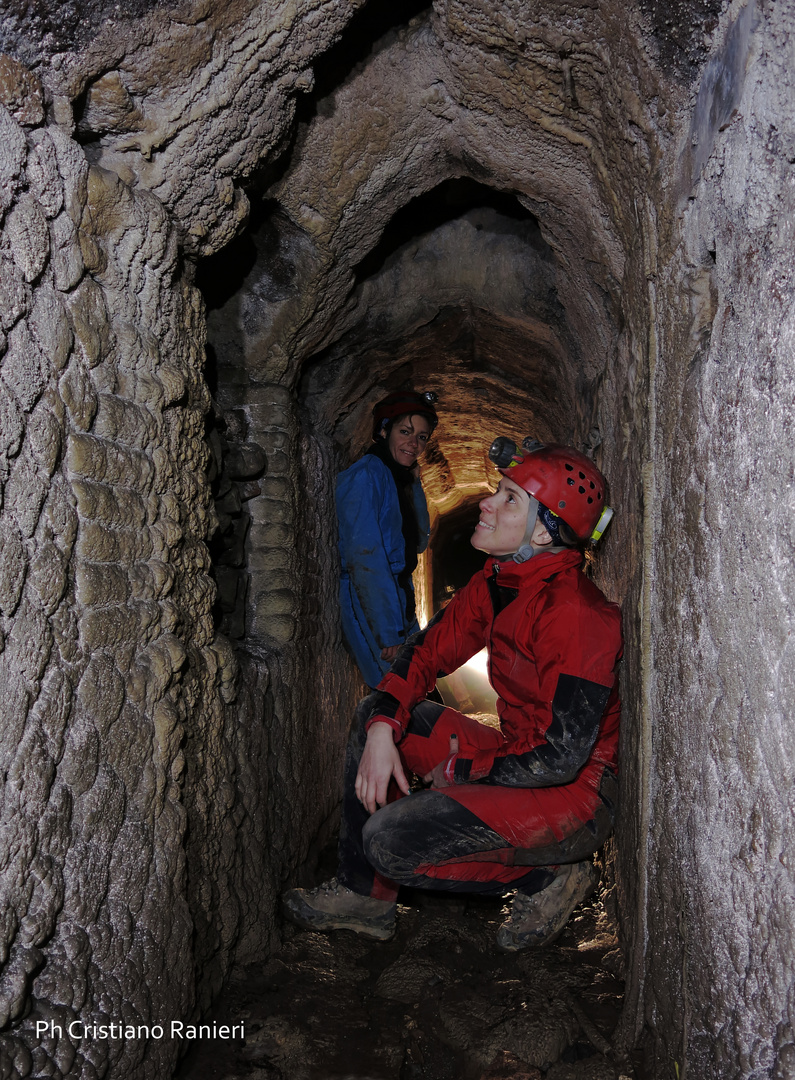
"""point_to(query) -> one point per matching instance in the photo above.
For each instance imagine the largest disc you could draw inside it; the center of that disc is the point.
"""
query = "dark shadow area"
(454, 560)
(222, 275)
(375, 24)
(448, 201)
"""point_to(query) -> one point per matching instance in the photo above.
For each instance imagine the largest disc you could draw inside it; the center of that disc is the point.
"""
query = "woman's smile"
(407, 439)
(503, 520)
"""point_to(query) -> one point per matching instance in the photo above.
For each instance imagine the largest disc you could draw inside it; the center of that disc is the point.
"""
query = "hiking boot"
(332, 906)
(540, 919)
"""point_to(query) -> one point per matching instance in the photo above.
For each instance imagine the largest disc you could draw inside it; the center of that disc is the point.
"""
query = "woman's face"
(503, 520)
(407, 438)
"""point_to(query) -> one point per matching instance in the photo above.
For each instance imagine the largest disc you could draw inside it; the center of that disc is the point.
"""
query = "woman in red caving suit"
(523, 807)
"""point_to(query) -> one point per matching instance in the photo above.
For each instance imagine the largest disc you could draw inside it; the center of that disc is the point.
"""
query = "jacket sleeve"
(575, 652)
(363, 516)
(451, 638)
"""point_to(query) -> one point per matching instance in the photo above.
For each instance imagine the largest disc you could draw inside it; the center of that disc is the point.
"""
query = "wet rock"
(245, 461)
(21, 92)
(408, 980)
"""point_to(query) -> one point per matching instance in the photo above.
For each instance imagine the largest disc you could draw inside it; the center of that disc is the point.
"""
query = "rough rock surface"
(439, 1002)
(123, 762)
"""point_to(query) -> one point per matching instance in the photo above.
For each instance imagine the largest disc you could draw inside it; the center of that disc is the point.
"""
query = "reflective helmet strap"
(604, 520)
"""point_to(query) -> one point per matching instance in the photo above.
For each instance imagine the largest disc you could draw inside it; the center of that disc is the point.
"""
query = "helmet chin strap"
(526, 550)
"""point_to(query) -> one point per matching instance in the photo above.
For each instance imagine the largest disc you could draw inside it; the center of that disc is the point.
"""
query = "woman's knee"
(384, 843)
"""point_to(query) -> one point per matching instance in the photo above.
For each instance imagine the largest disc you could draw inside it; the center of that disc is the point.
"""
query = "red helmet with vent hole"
(565, 481)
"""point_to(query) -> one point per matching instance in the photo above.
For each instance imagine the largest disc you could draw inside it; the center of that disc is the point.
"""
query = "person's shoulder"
(578, 590)
(367, 469)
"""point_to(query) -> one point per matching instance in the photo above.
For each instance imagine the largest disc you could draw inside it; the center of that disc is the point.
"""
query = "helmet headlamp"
(558, 477)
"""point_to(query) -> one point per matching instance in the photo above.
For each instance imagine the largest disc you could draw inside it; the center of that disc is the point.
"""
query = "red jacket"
(554, 642)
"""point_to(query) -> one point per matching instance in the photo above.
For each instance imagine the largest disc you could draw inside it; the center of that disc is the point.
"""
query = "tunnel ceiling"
(334, 126)
(555, 118)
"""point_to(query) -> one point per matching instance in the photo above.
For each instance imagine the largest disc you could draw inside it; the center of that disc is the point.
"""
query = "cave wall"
(124, 765)
(719, 963)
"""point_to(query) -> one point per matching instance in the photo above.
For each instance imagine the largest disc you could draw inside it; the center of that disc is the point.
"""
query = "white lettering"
(176, 1029)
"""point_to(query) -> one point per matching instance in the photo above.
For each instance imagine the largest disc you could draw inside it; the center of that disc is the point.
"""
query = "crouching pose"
(520, 807)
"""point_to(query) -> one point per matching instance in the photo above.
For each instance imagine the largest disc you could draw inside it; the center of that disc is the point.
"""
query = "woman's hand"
(389, 653)
(380, 762)
(436, 777)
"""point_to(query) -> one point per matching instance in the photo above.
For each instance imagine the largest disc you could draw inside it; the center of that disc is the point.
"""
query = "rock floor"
(438, 1002)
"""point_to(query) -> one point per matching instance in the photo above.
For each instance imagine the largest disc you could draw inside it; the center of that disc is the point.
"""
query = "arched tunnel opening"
(457, 295)
(226, 232)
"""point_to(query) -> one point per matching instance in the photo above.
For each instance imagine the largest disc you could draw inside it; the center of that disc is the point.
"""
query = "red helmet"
(564, 480)
(404, 403)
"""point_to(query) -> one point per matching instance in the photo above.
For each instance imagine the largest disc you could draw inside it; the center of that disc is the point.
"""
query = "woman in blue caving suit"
(383, 526)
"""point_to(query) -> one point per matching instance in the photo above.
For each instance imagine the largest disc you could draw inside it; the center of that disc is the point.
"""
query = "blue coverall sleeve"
(366, 509)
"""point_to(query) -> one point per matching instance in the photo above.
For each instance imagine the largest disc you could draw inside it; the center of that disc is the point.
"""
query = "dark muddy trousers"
(477, 838)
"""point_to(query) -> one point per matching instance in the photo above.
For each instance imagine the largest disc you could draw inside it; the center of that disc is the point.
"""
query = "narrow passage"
(438, 1002)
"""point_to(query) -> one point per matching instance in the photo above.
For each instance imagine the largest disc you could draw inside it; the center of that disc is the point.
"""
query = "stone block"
(279, 629)
(73, 168)
(277, 487)
(15, 293)
(43, 438)
(107, 628)
(274, 511)
(24, 367)
(50, 327)
(266, 560)
(103, 462)
(151, 580)
(59, 514)
(99, 543)
(271, 602)
(80, 762)
(100, 584)
(25, 494)
(13, 151)
(272, 535)
(12, 424)
(28, 644)
(41, 170)
(123, 421)
(47, 578)
(100, 692)
(26, 228)
(51, 709)
(173, 383)
(78, 395)
(66, 259)
(13, 567)
(89, 320)
(21, 92)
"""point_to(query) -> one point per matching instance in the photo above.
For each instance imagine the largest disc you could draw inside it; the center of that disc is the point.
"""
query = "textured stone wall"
(117, 738)
(189, 101)
(720, 963)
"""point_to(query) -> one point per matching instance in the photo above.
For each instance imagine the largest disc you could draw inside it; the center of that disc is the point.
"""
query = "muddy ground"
(438, 1002)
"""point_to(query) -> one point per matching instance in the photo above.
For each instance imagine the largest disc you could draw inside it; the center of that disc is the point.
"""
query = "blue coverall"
(373, 555)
